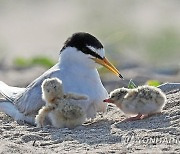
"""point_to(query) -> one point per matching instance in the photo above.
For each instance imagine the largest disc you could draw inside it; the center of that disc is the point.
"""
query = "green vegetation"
(131, 84)
(39, 60)
(154, 83)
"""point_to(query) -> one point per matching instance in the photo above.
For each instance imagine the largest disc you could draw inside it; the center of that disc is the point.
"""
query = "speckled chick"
(142, 101)
(61, 112)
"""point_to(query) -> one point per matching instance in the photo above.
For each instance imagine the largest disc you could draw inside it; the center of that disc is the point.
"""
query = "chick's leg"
(138, 117)
(151, 114)
(42, 114)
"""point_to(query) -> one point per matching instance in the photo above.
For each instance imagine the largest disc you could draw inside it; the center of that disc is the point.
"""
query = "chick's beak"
(105, 62)
(108, 100)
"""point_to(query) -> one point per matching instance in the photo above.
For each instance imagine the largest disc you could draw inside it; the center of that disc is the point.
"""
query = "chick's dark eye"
(54, 87)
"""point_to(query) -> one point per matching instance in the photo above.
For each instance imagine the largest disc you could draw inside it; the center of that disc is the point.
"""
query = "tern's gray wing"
(30, 101)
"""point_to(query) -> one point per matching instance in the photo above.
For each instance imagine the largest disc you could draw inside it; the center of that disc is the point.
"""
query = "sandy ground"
(106, 134)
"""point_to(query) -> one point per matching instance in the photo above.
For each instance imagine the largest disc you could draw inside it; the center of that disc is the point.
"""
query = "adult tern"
(76, 67)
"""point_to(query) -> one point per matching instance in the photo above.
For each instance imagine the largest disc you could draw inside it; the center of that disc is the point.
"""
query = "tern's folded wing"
(30, 101)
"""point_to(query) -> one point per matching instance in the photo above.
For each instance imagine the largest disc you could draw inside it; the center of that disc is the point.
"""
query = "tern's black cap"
(81, 40)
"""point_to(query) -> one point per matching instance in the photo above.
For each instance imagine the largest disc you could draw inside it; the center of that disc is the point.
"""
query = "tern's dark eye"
(87, 50)
(54, 87)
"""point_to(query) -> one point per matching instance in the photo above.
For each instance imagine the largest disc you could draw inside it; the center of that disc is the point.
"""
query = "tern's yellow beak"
(105, 62)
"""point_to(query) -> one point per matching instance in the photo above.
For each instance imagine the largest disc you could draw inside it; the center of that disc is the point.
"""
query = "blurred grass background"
(134, 32)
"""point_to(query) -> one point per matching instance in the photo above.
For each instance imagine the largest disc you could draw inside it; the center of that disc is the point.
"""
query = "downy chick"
(58, 107)
(142, 101)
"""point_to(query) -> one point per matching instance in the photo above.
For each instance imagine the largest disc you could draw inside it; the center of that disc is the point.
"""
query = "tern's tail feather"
(11, 110)
(10, 93)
